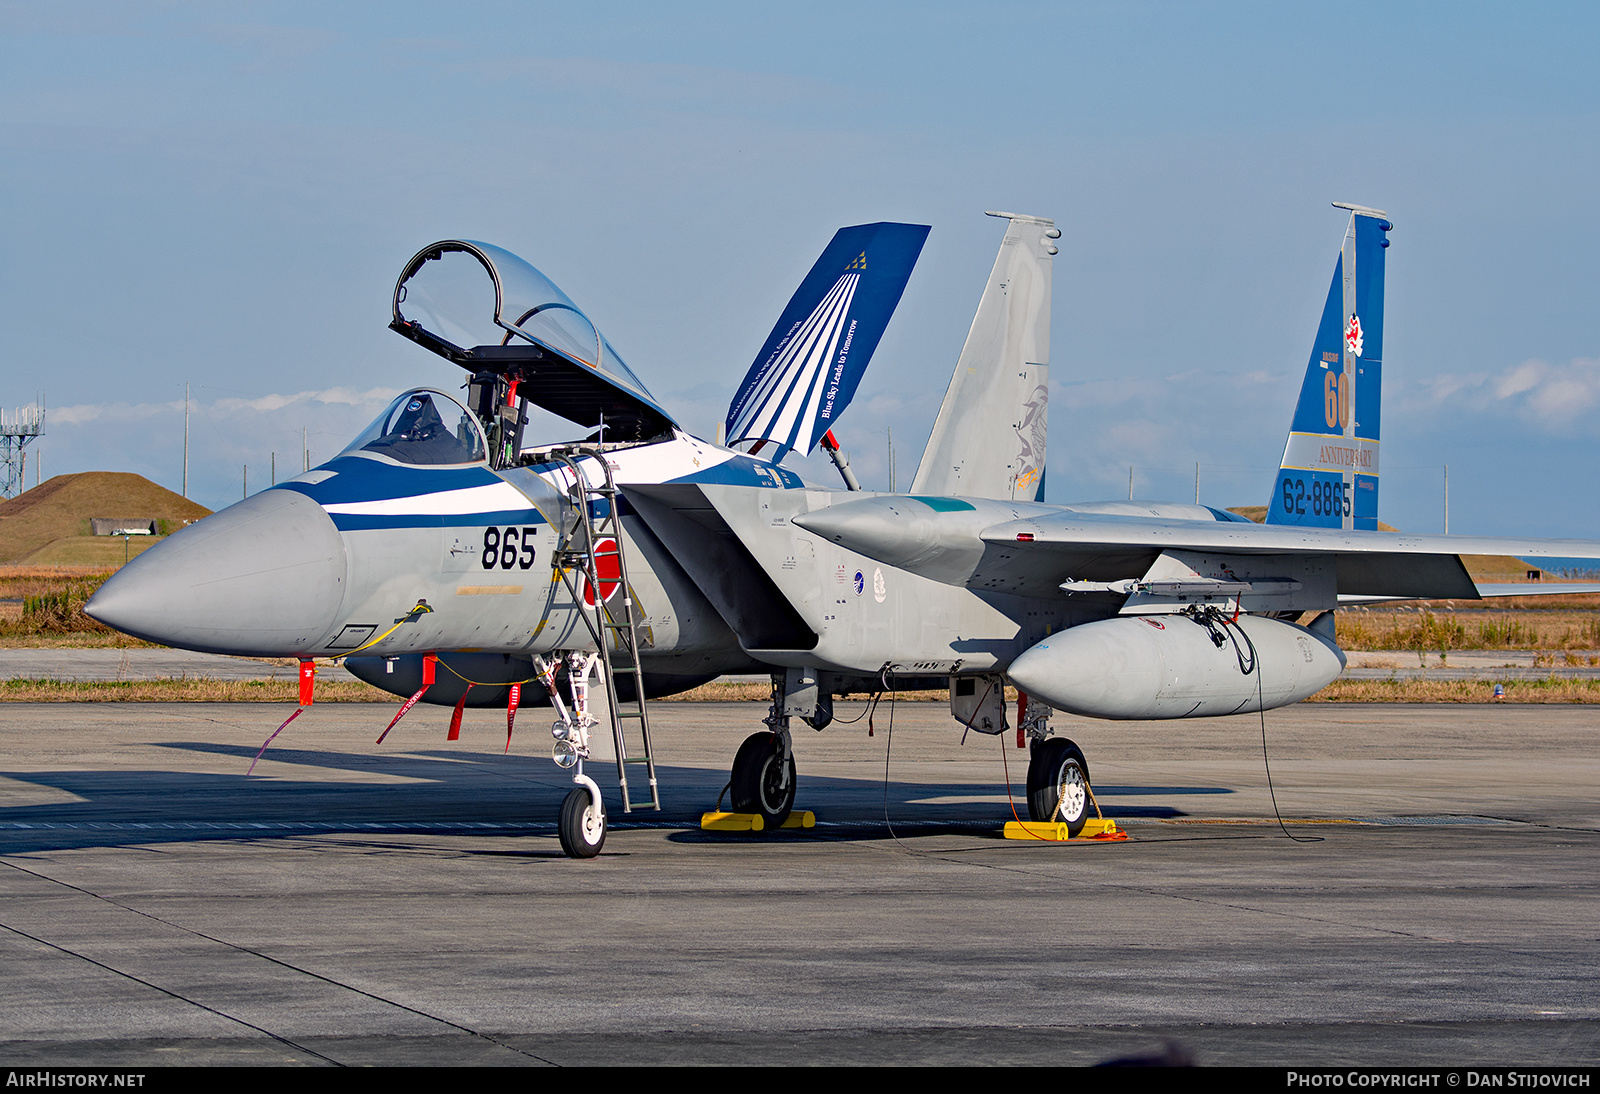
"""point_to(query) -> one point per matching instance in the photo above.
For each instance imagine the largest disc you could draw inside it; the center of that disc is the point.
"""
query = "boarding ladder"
(596, 534)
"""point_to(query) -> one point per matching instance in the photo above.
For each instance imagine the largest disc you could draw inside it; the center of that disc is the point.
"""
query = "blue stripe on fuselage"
(740, 470)
(359, 522)
(356, 478)
(745, 471)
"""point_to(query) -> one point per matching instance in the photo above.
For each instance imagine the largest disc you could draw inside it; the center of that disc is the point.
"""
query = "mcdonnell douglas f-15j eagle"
(427, 544)
(446, 560)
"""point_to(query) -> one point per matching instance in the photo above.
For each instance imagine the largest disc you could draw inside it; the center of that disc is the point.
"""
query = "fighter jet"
(463, 563)
(500, 561)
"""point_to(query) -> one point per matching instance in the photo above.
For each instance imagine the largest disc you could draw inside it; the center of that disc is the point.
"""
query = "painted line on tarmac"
(1387, 822)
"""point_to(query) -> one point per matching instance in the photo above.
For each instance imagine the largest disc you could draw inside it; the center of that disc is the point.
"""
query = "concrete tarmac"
(407, 903)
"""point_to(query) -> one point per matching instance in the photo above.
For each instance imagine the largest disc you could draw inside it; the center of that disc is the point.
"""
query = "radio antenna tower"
(16, 430)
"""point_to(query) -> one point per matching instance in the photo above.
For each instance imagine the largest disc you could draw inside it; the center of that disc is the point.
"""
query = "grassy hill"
(49, 525)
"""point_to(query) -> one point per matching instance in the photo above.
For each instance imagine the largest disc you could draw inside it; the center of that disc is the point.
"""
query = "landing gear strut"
(1058, 784)
(763, 781)
(582, 827)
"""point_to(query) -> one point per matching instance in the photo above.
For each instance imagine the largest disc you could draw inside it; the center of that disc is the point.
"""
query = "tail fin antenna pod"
(1328, 477)
(989, 438)
(809, 368)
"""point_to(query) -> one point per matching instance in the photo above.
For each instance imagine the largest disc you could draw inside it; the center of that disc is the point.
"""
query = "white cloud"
(334, 396)
(83, 413)
(1557, 397)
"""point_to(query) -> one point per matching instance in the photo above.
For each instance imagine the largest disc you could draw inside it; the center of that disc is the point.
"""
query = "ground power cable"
(1235, 632)
(886, 676)
(888, 748)
(888, 686)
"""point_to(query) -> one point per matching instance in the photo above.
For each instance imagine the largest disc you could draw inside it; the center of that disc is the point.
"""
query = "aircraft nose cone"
(264, 578)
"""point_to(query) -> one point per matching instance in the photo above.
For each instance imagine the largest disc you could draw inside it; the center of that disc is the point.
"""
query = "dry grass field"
(46, 602)
(1520, 623)
(186, 691)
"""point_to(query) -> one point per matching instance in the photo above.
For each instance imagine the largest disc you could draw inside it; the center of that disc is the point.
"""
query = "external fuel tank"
(1170, 666)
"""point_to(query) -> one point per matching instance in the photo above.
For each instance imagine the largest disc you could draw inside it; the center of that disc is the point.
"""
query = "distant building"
(123, 526)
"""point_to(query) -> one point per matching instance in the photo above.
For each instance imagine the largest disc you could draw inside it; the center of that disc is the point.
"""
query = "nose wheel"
(764, 779)
(1058, 784)
(583, 825)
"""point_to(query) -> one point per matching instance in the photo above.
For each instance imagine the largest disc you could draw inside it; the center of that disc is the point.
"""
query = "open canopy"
(489, 311)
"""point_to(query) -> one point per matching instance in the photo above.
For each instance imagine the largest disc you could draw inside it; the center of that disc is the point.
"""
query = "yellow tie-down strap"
(1055, 831)
(753, 822)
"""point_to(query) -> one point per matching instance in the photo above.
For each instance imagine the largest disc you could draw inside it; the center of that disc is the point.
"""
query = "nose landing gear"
(582, 826)
(583, 822)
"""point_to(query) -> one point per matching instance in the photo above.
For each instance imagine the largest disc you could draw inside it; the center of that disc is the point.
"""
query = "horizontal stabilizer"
(1535, 588)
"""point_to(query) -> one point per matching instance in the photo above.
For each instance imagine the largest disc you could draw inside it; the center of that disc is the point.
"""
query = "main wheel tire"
(1058, 773)
(583, 827)
(761, 784)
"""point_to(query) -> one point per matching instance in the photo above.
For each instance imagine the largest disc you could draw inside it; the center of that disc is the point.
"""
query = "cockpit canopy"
(489, 311)
(423, 427)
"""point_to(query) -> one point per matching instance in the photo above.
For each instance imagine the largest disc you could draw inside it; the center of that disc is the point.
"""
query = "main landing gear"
(1058, 784)
(764, 777)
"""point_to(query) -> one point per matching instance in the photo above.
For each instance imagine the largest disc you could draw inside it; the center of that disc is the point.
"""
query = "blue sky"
(223, 194)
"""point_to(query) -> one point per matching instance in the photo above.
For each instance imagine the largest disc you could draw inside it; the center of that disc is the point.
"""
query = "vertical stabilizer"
(812, 362)
(989, 438)
(1328, 477)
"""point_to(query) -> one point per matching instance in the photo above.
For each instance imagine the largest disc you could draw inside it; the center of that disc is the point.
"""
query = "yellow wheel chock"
(1055, 831)
(753, 822)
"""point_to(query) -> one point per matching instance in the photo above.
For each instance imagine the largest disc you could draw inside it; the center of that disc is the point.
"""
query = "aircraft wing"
(1033, 550)
(1490, 591)
(1390, 564)
(1541, 588)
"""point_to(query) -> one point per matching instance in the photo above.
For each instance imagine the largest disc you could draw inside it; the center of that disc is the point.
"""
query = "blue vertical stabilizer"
(807, 372)
(1328, 477)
